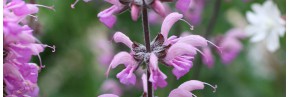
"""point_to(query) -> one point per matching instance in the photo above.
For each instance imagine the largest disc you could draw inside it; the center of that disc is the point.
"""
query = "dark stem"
(209, 29)
(147, 43)
(212, 22)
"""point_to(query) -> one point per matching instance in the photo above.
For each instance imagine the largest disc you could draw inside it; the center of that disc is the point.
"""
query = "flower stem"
(147, 43)
(209, 29)
(212, 22)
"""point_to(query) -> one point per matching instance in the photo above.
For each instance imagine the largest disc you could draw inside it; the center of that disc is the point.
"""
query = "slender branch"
(147, 43)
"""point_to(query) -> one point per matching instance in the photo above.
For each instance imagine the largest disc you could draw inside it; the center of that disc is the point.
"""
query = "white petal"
(259, 36)
(273, 42)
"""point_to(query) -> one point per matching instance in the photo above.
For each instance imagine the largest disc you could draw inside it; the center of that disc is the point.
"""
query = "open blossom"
(184, 90)
(266, 25)
(173, 51)
(20, 76)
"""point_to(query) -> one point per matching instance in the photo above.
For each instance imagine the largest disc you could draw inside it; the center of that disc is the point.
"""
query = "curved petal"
(159, 8)
(168, 23)
(193, 40)
(179, 49)
(120, 37)
(108, 95)
(122, 58)
(180, 93)
(192, 85)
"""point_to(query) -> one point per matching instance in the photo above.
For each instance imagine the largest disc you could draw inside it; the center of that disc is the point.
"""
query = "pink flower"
(182, 50)
(108, 17)
(184, 89)
(20, 76)
(231, 45)
(156, 77)
(172, 51)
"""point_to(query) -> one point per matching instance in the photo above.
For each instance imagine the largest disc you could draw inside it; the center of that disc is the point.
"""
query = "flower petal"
(192, 85)
(193, 40)
(122, 58)
(159, 8)
(207, 59)
(273, 43)
(180, 93)
(135, 11)
(183, 5)
(168, 23)
(108, 95)
(153, 61)
(144, 80)
(120, 37)
(179, 49)
(109, 21)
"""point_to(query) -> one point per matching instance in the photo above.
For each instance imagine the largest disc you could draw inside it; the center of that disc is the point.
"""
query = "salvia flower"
(231, 45)
(184, 90)
(108, 17)
(20, 76)
(266, 24)
(173, 51)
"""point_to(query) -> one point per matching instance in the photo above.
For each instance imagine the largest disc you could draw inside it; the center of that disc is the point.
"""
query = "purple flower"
(20, 76)
(184, 89)
(156, 77)
(108, 17)
(231, 45)
(173, 51)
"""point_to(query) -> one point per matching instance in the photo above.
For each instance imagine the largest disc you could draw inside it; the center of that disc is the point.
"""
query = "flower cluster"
(20, 76)
(173, 51)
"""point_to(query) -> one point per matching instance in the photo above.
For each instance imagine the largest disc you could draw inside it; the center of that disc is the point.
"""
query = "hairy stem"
(147, 43)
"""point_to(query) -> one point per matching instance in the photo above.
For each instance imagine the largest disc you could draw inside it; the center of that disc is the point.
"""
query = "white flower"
(266, 24)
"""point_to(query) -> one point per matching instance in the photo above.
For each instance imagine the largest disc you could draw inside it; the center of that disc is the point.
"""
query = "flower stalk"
(145, 25)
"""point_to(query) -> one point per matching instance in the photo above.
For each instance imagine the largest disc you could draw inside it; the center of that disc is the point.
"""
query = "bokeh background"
(75, 69)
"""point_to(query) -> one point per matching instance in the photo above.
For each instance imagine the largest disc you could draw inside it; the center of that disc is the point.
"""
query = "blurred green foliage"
(72, 71)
